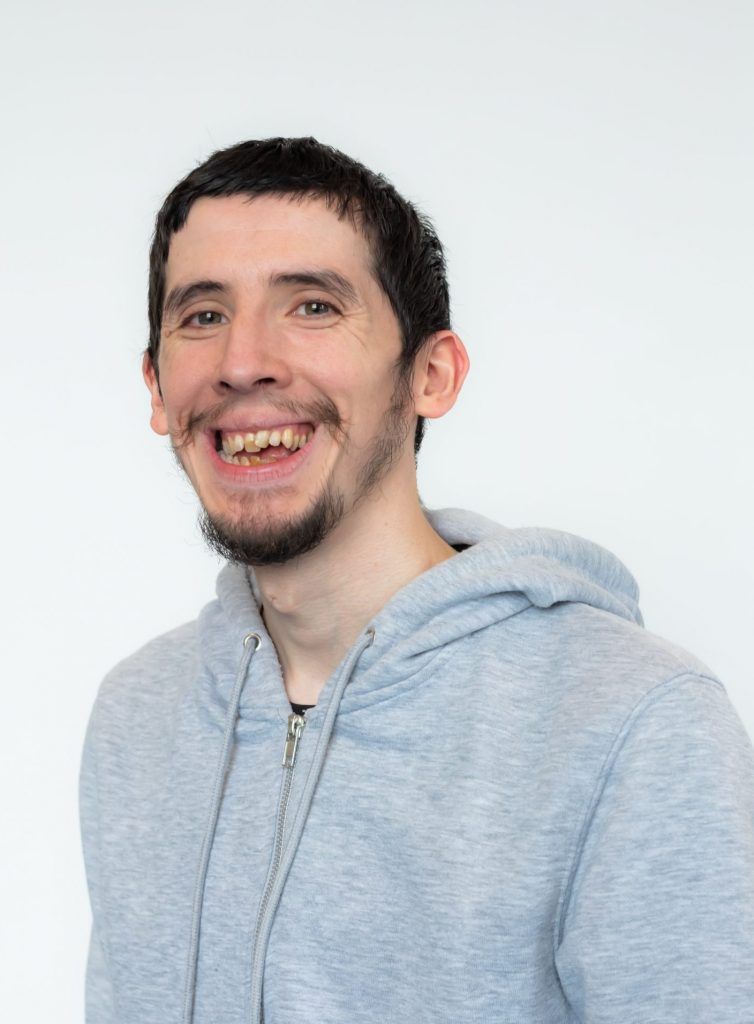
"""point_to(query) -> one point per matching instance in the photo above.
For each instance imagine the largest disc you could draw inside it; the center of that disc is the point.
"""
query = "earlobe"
(158, 420)
(441, 369)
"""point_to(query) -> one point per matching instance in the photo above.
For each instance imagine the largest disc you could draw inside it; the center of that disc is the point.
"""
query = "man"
(407, 766)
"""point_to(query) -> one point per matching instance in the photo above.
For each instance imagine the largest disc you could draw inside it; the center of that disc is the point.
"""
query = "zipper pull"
(296, 725)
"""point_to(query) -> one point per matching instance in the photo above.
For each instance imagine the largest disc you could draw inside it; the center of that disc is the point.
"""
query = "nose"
(251, 357)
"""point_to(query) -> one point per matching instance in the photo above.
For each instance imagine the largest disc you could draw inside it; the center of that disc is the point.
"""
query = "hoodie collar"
(501, 573)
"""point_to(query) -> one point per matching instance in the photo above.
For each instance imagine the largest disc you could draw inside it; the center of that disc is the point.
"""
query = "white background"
(589, 167)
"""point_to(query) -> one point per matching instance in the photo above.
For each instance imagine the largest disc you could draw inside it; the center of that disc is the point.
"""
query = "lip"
(244, 427)
(255, 476)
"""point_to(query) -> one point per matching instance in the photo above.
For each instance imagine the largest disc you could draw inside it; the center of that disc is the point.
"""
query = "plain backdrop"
(589, 166)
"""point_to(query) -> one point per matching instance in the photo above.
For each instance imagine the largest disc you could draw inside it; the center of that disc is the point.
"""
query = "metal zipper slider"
(296, 725)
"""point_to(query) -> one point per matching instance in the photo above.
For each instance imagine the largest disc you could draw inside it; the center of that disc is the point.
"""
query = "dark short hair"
(408, 259)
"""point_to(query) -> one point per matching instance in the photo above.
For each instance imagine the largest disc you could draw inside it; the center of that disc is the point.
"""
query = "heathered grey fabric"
(511, 804)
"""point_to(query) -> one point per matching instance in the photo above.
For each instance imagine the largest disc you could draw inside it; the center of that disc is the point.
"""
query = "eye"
(314, 309)
(204, 318)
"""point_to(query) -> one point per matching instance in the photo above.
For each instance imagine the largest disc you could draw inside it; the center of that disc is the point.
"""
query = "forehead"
(243, 236)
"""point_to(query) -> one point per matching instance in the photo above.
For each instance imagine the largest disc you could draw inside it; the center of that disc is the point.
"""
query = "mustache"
(319, 410)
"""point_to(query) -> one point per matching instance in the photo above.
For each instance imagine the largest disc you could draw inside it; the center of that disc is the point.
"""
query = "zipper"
(296, 725)
(295, 728)
(283, 858)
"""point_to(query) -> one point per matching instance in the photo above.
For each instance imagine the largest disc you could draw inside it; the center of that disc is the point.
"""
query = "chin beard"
(280, 541)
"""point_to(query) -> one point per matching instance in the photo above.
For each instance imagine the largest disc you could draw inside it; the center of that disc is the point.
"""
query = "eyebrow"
(185, 293)
(329, 280)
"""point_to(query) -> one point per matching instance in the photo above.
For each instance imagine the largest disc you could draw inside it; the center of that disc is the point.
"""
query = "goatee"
(278, 543)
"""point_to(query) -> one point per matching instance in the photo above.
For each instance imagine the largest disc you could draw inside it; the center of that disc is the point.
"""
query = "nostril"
(228, 386)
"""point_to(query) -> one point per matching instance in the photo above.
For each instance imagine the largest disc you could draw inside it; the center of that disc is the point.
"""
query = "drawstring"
(251, 643)
(318, 760)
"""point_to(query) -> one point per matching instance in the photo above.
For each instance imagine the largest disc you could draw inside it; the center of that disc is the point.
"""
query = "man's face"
(277, 373)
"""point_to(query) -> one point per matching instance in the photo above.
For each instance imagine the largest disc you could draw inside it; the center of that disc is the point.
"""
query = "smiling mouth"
(241, 449)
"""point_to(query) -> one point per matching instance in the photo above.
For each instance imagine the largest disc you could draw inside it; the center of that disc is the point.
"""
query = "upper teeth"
(290, 437)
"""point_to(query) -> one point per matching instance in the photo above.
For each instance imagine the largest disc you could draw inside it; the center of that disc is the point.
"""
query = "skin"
(257, 351)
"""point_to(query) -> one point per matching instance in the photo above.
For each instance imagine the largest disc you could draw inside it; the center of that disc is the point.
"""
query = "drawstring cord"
(299, 821)
(251, 643)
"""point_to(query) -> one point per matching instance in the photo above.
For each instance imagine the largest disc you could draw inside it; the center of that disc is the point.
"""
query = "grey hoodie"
(511, 804)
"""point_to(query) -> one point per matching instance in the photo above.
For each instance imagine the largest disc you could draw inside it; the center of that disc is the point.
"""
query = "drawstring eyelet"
(253, 636)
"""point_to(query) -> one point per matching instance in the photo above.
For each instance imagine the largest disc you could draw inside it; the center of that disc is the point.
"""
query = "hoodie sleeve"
(99, 998)
(658, 920)
(100, 1008)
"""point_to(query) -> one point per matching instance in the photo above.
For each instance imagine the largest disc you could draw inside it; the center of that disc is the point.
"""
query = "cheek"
(367, 407)
(183, 385)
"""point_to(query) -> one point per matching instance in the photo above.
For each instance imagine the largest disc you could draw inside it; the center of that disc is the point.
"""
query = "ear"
(440, 370)
(158, 420)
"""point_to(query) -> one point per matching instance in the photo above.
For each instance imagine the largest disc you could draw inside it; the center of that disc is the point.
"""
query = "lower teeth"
(249, 460)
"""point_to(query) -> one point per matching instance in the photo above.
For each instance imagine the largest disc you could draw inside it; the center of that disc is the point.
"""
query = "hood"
(499, 574)
(502, 572)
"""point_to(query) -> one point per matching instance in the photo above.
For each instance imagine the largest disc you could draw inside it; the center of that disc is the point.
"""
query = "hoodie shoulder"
(626, 645)
(156, 672)
(604, 666)
(136, 709)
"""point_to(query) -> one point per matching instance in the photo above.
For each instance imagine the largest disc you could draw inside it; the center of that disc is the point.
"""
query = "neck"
(316, 606)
